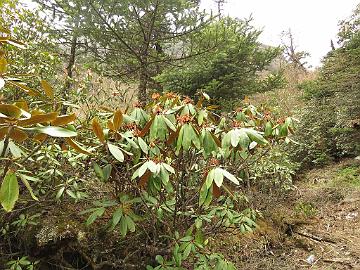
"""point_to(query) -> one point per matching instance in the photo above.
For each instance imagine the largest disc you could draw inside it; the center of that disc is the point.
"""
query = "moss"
(306, 209)
(63, 229)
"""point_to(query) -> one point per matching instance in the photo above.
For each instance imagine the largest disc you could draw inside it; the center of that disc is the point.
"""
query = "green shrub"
(329, 126)
(231, 70)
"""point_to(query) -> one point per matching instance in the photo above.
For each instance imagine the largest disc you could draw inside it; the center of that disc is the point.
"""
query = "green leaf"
(130, 224)
(142, 169)
(159, 259)
(71, 194)
(158, 129)
(203, 194)
(201, 116)
(168, 168)
(9, 191)
(268, 129)
(60, 193)
(123, 226)
(97, 213)
(169, 123)
(187, 137)
(186, 238)
(231, 177)
(116, 152)
(164, 175)
(187, 251)
(98, 171)
(15, 150)
(107, 172)
(144, 147)
(284, 130)
(210, 178)
(132, 143)
(58, 132)
(180, 138)
(118, 214)
(153, 167)
(194, 137)
(255, 136)
(209, 143)
(162, 130)
(218, 177)
(244, 139)
(226, 141)
(234, 139)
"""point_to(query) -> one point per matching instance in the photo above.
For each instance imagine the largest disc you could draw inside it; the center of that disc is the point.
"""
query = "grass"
(348, 176)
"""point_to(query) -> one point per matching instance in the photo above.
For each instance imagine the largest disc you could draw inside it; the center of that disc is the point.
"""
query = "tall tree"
(230, 71)
(65, 30)
(330, 124)
(136, 38)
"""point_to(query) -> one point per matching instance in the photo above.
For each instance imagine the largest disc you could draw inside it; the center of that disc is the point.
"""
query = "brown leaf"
(110, 125)
(212, 107)
(25, 88)
(3, 132)
(10, 110)
(40, 137)
(144, 179)
(98, 130)
(146, 128)
(77, 147)
(38, 118)
(216, 191)
(18, 135)
(3, 65)
(49, 91)
(216, 139)
(22, 104)
(64, 147)
(16, 43)
(107, 109)
(173, 136)
(63, 120)
(200, 102)
(118, 119)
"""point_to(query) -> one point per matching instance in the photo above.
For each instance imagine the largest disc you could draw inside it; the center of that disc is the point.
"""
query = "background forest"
(148, 134)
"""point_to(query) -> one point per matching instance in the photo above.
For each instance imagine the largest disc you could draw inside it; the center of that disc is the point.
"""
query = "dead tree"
(295, 57)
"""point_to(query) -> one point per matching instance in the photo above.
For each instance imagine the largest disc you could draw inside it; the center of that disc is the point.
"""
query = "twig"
(315, 237)
(338, 260)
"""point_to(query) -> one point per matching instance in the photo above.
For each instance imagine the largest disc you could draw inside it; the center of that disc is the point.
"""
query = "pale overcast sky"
(313, 22)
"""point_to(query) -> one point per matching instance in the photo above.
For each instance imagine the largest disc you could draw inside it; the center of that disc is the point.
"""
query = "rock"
(310, 259)
(351, 216)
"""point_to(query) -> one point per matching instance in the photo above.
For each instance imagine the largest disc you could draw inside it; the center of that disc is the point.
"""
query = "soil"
(316, 226)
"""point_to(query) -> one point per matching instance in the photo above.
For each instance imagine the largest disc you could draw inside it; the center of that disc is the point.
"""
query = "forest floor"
(316, 226)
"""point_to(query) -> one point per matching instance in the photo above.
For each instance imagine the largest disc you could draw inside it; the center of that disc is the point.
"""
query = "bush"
(330, 124)
(231, 70)
(169, 162)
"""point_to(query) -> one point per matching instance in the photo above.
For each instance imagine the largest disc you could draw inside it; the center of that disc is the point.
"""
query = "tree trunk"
(69, 73)
(143, 80)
